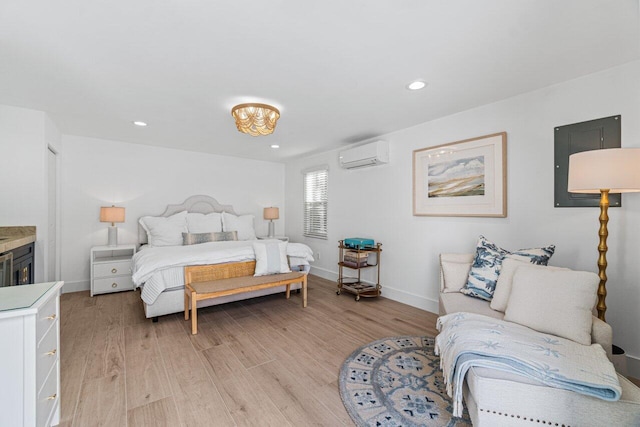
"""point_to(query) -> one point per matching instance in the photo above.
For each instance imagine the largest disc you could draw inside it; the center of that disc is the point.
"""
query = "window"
(315, 202)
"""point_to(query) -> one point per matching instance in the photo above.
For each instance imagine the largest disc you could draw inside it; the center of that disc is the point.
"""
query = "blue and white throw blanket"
(467, 340)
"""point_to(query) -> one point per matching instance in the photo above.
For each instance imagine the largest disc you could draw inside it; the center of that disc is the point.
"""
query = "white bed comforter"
(161, 268)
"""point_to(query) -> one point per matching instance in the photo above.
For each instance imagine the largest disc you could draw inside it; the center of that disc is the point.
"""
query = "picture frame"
(462, 178)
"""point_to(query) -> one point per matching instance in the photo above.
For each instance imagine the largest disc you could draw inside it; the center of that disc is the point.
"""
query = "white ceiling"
(337, 70)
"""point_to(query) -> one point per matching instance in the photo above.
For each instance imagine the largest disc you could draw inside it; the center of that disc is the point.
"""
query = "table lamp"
(604, 171)
(271, 214)
(112, 214)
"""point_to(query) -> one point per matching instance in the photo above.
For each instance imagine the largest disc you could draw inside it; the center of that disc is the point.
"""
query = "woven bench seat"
(218, 280)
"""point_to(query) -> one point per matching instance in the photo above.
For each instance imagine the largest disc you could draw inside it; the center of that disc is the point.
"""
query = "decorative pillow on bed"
(197, 238)
(242, 224)
(271, 258)
(165, 231)
(560, 305)
(488, 262)
(505, 281)
(201, 223)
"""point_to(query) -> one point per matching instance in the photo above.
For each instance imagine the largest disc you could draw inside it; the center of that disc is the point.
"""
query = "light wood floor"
(264, 361)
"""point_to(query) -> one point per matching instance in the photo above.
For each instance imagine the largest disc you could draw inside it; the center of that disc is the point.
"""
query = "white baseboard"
(387, 292)
(324, 273)
(410, 299)
(77, 286)
(633, 366)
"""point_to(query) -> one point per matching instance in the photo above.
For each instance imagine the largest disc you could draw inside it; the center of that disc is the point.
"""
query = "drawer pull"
(52, 352)
(53, 396)
(114, 285)
(52, 317)
(114, 270)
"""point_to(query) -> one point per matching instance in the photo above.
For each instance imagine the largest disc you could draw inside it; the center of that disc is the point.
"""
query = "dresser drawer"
(112, 284)
(47, 315)
(47, 397)
(46, 355)
(109, 269)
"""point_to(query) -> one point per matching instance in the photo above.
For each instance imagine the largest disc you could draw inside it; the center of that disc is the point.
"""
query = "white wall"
(377, 202)
(144, 180)
(24, 136)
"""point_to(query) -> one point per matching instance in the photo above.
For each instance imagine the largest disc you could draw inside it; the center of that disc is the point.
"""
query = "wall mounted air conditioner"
(371, 154)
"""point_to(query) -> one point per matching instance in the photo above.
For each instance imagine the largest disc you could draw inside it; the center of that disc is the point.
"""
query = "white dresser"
(30, 355)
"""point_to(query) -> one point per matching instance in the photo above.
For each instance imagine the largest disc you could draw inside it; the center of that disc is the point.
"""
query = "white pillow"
(271, 258)
(455, 271)
(505, 281)
(201, 223)
(242, 224)
(163, 231)
(556, 302)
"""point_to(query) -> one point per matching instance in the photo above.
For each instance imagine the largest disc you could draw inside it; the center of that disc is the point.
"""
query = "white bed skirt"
(172, 301)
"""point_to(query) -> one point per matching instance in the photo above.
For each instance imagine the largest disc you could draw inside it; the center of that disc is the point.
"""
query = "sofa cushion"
(508, 400)
(455, 271)
(488, 262)
(456, 302)
(560, 303)
(505, 280)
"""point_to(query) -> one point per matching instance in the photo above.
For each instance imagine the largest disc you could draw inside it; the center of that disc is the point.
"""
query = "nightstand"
(283, 238)
(111, 268)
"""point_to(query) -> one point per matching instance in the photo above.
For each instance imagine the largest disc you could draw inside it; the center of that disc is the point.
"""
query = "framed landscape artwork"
(464, 178)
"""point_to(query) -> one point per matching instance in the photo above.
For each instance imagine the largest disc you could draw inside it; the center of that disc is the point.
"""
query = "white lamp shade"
(271, 213)
(613, 169)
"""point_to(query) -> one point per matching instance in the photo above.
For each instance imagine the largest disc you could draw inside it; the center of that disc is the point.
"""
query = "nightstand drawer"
(112, 269)
(112, 284)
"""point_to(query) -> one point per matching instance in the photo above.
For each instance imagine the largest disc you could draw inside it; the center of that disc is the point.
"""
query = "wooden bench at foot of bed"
(218, 280)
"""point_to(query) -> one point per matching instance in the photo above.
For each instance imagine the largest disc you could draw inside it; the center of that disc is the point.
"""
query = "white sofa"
(496, 398)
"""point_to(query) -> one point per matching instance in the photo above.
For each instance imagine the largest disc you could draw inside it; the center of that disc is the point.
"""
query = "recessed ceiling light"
(138, 123)
(416, 85)
(275, 146)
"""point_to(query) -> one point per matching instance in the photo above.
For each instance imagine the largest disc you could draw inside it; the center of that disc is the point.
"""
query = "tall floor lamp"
(612, 170)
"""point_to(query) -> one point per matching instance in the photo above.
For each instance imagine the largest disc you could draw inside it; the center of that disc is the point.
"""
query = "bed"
(158, 267)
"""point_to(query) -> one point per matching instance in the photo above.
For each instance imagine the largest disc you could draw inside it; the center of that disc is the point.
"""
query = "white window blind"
(315, 203)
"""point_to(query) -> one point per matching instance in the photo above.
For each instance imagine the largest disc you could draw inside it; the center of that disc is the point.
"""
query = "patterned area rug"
(397, 382)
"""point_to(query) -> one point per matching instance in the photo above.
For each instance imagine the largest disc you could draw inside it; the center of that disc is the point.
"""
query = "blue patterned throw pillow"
(488, 263)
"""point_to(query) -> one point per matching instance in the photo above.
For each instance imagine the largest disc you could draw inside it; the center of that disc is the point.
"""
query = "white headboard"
(194, 204)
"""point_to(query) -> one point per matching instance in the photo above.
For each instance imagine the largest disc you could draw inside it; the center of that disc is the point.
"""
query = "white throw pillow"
(201, 223)
(242, 224)
(556, 302)
(165, 231)
(455, 271)
(271, 258)
(505, 281)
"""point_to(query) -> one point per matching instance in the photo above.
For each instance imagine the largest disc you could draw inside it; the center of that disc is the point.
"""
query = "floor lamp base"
(619, 360)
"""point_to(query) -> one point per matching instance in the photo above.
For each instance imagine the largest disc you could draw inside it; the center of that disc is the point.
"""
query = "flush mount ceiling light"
(416, 85)
(275, 146)
(139, 123)
(255, 119)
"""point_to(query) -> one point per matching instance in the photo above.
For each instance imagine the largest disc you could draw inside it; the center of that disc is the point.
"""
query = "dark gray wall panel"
(577, 137)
